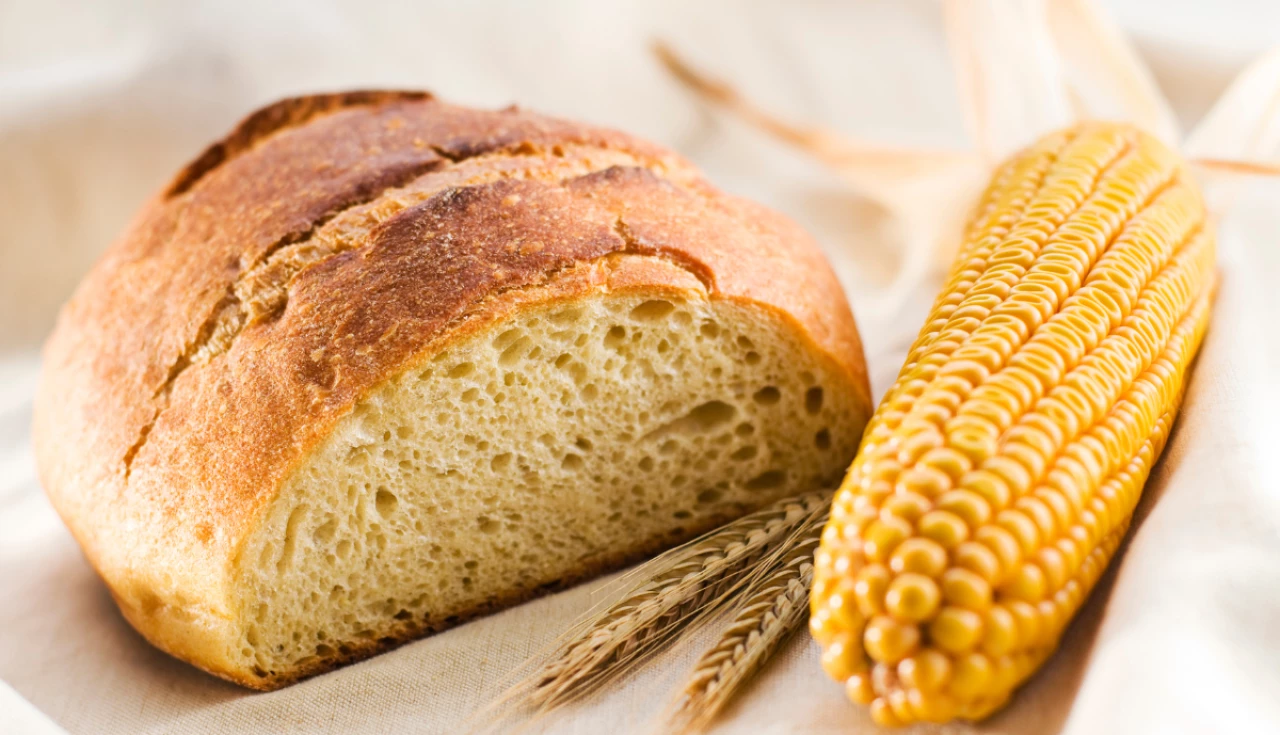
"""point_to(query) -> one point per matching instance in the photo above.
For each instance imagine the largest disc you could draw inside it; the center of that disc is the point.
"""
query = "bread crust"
(172, 408)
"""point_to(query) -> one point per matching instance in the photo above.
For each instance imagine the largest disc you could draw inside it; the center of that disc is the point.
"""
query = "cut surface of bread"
(373, 364)
(538, 451)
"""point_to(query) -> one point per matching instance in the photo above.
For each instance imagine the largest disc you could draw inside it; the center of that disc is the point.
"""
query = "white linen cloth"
(101, 101)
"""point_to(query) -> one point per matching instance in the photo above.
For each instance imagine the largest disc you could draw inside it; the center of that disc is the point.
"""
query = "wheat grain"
(775, 606)
(678, 589)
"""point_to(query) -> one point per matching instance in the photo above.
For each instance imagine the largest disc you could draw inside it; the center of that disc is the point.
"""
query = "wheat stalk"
(678, 589)
(775, 606)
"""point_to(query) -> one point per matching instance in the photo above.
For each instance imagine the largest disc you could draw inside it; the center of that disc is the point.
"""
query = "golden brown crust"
(288, 112)
(177, 448)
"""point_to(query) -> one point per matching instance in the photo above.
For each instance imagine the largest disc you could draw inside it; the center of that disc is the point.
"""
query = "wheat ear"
(678, 589)
(775, 606)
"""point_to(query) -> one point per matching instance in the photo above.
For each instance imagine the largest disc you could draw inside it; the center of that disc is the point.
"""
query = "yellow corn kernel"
(1003, 544)
(1026, 583)
(842, 658)
(884, 535)
(821, 627)
(912, 597)
(839, 608)
(900, 703)
(973, 676)
(873, 582)
(1000, 634)
(1000, 473)
(969, 506)
(955, 629)
(882, 714)
(929, 670)
(918, 556)
(946, 529)
(979, 559)
(888, 640)
(964, 588)
(931, 707)
(858, 688)
(907, 506)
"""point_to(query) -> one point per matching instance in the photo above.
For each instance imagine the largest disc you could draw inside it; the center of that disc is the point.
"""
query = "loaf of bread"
(374, 364)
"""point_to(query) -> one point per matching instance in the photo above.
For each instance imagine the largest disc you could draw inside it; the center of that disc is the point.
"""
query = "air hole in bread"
(652, 310)
(712, 414)
(386, 502)
(515, 352)
(568, 316)
(767, 396)
(813, 400)
(710, 495)
(324, 532)
(614, 338)
(506, 338)
(822, 440)
(767, 480)
(291, 537)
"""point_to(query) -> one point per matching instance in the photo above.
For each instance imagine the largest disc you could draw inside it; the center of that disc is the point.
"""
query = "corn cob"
(1000, 472)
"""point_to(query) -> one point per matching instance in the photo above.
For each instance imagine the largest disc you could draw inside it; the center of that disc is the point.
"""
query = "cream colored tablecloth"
(100, 101)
